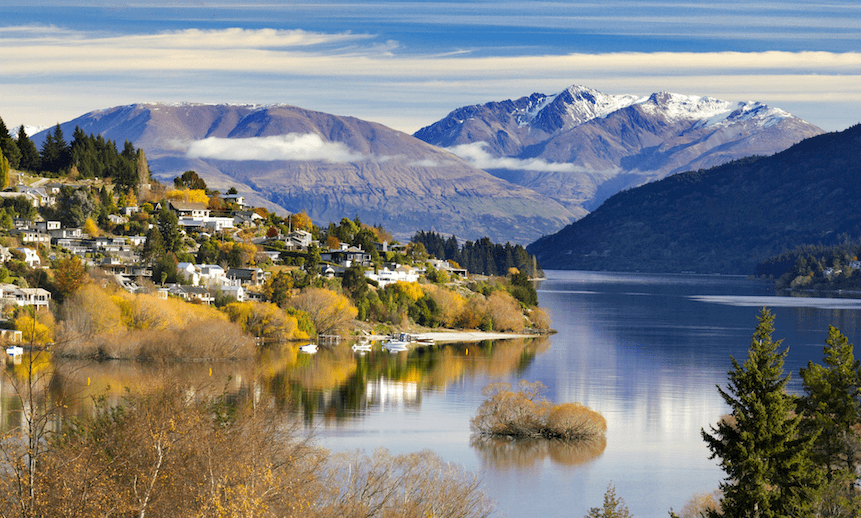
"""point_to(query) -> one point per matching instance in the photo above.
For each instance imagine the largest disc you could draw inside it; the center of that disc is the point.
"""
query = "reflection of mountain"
(505, 453)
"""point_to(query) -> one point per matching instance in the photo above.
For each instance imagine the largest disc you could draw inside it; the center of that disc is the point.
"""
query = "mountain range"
(581, 146)
(289, 159)
(721, 220)
(510, 170)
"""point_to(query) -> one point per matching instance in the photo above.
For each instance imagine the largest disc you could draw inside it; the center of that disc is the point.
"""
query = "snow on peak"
(682, 107)
(585, 104)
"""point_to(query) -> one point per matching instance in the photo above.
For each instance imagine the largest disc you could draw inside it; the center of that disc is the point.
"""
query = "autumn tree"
(832, 405)
(329, 311)
(69, 275)
(277, 288)
(765, 456)
(301, 221)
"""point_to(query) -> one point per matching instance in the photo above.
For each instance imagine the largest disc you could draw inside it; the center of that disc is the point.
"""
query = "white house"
(385, 276)
(31, 257)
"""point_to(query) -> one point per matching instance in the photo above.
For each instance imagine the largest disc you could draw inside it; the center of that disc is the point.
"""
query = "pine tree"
(832, 406)
(9, 147)
(4, 171)
(30, 160)
(767, 460)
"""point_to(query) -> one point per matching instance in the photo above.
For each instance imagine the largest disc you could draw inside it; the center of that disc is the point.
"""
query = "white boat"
(362, 346)
(395, 345)
(308, 348)
(14, 350)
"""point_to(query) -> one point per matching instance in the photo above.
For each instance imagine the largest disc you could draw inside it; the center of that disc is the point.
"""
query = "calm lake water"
(644, 350)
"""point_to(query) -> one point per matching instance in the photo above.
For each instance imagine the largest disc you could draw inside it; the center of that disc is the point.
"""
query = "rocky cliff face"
(580, 146)
(290, 159)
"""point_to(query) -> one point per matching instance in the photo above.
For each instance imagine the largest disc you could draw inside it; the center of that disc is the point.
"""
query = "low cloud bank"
(292, 147)
(476, 156)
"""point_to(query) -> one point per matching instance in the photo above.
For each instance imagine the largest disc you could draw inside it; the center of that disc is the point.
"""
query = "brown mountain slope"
(290, 159)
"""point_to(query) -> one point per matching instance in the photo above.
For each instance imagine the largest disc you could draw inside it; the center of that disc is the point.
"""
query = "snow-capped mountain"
(580, 146)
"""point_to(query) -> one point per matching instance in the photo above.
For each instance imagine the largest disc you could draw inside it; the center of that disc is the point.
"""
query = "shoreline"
(463, 336)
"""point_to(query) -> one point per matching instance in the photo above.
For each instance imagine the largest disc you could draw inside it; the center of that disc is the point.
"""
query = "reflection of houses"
(392, 394)
(12, 294)
(401, 273)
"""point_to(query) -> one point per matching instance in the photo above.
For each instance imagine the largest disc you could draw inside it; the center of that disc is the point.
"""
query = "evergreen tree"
(56, 154)
(9, 147)
(4, 171)
(832, 406)
(767, 460)
(154, 246)
(168, 225)
(30, 160)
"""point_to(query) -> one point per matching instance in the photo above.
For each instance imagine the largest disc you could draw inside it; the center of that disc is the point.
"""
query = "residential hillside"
(721, 220)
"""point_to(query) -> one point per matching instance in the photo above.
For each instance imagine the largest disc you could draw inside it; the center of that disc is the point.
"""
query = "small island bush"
(523, 413)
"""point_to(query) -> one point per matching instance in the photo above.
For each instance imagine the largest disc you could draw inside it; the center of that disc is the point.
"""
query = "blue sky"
(407, 64)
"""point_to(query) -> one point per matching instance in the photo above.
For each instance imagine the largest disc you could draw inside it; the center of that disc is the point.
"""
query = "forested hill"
(724, 219)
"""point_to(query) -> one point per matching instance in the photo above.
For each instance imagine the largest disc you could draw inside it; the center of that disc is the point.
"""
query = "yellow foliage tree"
(91, 228)
(131, 199)
(450, 303)
(301, 221)
(265, 320)
(32, 330)
(188, 195)
(412, 290)
(329, 311)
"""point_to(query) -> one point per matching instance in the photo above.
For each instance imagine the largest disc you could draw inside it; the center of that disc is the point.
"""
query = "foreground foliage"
(521, 414)
(177, 453)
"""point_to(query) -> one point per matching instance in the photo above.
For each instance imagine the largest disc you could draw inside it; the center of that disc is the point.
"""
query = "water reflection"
(339, 384)
(503, 453)
(335, 384)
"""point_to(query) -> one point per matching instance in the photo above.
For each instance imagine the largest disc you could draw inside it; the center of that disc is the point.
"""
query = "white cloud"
(291, 147)
(476, 156)
(51, 74)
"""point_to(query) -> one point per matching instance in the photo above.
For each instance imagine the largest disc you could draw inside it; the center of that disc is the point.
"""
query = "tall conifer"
(30, 160)
(832, 406)
(767, 460)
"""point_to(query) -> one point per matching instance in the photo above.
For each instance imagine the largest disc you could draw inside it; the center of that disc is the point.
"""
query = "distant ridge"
(724, 219)
(581, 146)
(289, 159)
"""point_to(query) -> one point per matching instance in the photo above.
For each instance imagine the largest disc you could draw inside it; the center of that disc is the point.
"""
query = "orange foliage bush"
(522, 413)
(505, 312)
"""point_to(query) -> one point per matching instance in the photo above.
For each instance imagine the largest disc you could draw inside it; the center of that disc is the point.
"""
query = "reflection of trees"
(505, 453)
(335, 383)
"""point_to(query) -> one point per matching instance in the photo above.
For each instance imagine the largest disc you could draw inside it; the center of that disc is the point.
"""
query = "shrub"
(521, 413)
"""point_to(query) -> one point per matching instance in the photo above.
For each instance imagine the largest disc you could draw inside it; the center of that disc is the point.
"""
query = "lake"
(644, 350)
